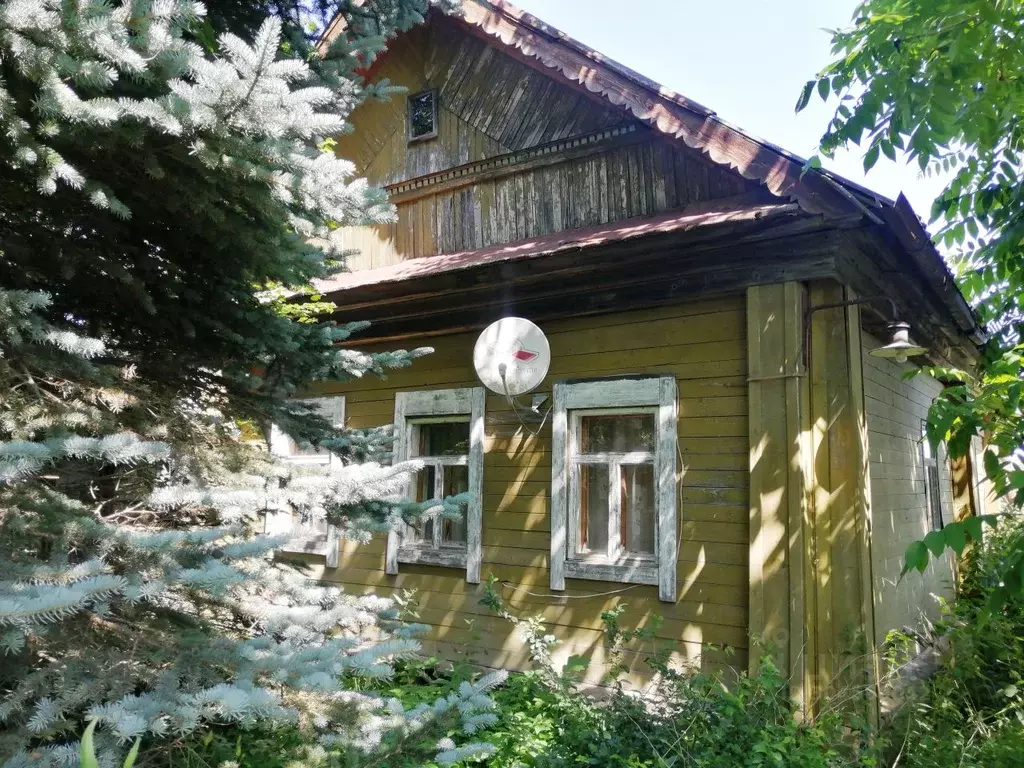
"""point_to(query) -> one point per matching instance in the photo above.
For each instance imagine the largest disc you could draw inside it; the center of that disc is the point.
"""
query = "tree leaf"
(805, 96)
(823, 86)
(936, 543)
(871, 158)
(972, 526)
(916, 556)
(992, 466)
(956, 537)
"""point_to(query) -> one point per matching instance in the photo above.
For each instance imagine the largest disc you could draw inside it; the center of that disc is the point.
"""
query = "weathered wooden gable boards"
(492, 105)
(703, 345)
(640, 179)
(488, 104)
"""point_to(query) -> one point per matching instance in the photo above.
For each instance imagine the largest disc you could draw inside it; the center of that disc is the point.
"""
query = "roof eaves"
(706, 217)
(521, 17)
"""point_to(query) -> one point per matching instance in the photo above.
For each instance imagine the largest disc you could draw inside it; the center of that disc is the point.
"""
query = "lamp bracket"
(836, 305)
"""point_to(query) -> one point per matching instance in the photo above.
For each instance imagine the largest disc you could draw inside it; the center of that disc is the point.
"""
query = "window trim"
(572, 399)
(332, 408)
(441, 405)
(408, 116)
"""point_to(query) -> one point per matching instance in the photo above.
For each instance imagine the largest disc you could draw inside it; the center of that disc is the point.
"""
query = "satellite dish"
(512, 356)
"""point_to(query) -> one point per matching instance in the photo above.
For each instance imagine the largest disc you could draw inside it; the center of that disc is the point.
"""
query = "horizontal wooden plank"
(697, 551)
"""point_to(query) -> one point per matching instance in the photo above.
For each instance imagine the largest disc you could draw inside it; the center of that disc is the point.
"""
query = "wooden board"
(780, 478)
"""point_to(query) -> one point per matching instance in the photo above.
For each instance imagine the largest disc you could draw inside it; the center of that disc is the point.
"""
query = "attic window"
(423, 115)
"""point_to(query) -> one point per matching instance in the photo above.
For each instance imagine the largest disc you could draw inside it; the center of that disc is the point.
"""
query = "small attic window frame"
(412, 137)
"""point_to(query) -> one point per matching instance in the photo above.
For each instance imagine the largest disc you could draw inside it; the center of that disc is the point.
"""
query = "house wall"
(896, 409)
(703, 344)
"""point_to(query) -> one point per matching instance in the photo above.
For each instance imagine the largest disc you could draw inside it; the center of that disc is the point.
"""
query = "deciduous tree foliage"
(159, 170)
(943, 82)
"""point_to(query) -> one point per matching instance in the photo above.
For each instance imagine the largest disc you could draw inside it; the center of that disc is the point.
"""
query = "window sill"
(627, 571)
(314, 459)
(448, 557)
(306, 545)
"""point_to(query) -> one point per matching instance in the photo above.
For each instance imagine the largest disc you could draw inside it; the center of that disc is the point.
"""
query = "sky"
(745, 59)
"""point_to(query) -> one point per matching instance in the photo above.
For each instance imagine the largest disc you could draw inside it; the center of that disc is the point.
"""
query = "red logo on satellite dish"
(522, 354)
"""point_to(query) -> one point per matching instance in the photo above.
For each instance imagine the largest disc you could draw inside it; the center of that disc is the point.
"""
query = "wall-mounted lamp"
(900, 347)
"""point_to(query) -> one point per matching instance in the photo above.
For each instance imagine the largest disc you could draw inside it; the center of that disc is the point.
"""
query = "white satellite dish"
(512, 356)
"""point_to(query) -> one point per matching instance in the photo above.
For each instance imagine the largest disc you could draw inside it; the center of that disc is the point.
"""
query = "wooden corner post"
(845, 663)
(779, 431)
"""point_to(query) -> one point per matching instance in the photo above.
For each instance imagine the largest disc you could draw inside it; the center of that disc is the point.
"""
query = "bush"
(545, 721)
(971, 713)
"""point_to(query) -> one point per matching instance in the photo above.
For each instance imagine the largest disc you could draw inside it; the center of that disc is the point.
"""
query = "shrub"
(971, 713)
(545, 721)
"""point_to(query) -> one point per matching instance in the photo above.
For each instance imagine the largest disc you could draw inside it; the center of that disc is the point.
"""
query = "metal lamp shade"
(901, 347)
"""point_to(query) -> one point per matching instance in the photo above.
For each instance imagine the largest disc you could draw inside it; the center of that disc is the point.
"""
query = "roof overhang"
(613, 267)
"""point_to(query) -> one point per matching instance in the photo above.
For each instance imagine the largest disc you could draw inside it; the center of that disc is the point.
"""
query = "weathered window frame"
(433, 93)
(279, 521)
(572, 400)
(932, 482)
(435, 406)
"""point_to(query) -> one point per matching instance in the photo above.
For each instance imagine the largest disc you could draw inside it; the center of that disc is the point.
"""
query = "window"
(443, 429)
(613, 484)
(422, 108)
(932, 493)
(308, 537)
(283, 446)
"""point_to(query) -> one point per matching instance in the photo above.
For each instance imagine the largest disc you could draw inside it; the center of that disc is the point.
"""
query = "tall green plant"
(942, 82)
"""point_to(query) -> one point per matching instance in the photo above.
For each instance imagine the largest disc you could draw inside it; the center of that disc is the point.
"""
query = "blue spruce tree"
(161, 189)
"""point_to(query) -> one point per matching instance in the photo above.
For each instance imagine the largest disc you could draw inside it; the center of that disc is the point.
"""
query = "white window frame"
(280, 521)
(572, 401)
(439, 406)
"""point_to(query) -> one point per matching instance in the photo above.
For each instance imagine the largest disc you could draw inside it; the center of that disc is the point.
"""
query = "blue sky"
(745, 59)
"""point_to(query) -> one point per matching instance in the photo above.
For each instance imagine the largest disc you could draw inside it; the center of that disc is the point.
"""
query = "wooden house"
(711, 312)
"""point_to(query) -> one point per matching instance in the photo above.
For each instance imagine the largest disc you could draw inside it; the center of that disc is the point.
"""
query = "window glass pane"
(619, 434)
(307, 450)
(303, 525)
(421, 114)
(423, 531)
(444, 439)
(456, 480)
(934, 497)
(637, 488)
(594, 508)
